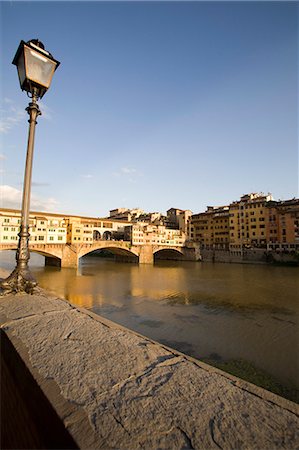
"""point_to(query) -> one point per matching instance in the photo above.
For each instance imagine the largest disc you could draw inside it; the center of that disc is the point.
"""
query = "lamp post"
(35, 67)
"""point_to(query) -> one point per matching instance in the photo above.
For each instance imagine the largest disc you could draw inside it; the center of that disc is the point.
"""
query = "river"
(241, 318)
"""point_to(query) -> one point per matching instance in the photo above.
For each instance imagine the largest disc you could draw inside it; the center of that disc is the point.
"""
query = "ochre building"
(254, 221)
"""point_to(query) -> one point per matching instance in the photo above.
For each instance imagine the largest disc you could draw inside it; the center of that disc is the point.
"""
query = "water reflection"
(216, 311)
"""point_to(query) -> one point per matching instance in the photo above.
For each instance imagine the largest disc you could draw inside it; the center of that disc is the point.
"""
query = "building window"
(40, 238)
(107, 225)
(51, 238)
(60, 238)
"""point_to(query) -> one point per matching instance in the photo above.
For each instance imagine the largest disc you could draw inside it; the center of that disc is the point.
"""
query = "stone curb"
(113, 388)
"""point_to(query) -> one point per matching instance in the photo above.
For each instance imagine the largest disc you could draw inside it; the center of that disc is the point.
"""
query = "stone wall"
(28, 420)
(72, 378)
(258, 255)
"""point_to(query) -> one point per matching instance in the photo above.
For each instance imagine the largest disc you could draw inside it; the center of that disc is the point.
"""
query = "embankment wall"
(72, 379)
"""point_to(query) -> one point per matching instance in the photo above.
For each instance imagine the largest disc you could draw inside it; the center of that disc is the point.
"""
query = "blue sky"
(155, 104)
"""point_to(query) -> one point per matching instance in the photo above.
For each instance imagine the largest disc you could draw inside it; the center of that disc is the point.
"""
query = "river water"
(226, 314)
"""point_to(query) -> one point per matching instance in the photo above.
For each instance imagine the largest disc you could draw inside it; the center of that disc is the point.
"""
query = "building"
(79, 230)
(155, 218)
(50, 228)
(211, 228)
(129, 215)
(43, 228)
(283, 229)
(249, 218)
(178, 219)
(148, 234)
(254, 221)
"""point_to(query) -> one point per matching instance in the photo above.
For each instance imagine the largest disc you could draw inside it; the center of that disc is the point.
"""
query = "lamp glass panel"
(39, 68)
(21, 69)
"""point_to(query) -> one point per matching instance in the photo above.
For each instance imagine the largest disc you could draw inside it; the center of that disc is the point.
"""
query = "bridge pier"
(146, 255)
(69, 257)
(192, 253)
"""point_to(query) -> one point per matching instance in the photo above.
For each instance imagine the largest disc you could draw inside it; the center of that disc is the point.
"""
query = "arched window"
(107, 235)
(96, 235)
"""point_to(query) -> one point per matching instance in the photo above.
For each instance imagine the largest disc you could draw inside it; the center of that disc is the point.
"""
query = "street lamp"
(35, 67)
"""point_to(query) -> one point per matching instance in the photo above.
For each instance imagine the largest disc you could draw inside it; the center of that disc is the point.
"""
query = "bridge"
(68, 255)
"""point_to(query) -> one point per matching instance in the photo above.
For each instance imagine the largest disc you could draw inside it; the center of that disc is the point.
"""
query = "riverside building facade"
(147, 234)
(283, 229)
(249, 221)
(43, 228)
(211, 228)
(254, 221)
(50, 228)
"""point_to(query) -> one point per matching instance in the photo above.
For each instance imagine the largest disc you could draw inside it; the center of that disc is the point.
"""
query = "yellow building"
(51, 228)
(249, 218)
(44, 228)
(211, 228)
(79, 231)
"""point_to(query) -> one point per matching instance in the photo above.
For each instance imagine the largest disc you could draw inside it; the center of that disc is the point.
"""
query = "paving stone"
(136, 393)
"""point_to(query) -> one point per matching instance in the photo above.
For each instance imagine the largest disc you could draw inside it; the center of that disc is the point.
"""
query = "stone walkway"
(115, 389)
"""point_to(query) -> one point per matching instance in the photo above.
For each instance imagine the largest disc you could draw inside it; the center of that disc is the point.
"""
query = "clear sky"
(155, 104)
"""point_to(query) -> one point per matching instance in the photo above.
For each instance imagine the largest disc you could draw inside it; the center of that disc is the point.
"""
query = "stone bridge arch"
(52, 253)
(43, 250)
(115, 247)
(172, 253)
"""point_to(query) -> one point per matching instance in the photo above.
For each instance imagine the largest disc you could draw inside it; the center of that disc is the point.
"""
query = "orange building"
(283, 227)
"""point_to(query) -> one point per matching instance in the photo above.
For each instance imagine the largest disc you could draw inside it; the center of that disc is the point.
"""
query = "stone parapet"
(105, 387)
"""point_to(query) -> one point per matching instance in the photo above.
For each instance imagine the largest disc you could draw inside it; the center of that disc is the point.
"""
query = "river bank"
(251, 256)
(113, 388)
